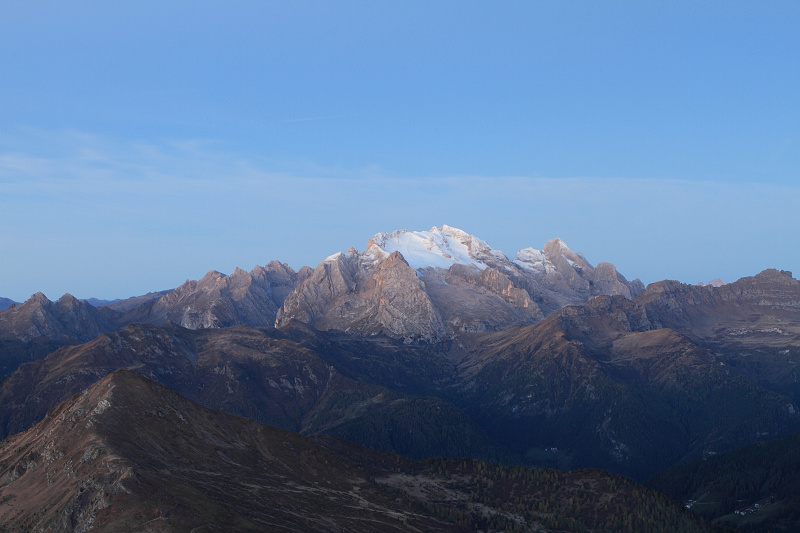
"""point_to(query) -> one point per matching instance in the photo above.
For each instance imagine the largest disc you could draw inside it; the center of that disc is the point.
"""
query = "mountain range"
(435, 344)
(454, 283)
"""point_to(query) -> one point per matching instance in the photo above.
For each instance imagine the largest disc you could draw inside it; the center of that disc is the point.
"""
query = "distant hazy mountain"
(97, 302)
(714, 283)
(128, 303)
(431, 285)
(66, 320)
(5, 303)
(129, 454)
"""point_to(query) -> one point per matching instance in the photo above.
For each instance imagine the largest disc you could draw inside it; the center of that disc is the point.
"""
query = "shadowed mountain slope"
(761, 482)
(607, 383)
(131, 455)
(752, 325)
(297, 379)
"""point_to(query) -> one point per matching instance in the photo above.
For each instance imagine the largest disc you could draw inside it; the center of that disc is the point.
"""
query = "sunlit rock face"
(431, 285)
(217, 300)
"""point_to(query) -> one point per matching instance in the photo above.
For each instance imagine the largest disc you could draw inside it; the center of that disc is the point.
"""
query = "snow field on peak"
(446, 246)
(332, 257)
(438, 248)
(533, 260)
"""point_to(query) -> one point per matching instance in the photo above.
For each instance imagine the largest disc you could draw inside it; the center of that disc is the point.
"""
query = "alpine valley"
(547, 389)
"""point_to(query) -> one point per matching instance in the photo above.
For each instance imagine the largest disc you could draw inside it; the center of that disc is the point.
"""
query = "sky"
(145, 143)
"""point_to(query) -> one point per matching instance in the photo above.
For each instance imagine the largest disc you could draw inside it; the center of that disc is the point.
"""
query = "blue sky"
(144, 143)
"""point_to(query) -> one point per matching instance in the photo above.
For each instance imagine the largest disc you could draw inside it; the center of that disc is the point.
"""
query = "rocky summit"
(431, 285)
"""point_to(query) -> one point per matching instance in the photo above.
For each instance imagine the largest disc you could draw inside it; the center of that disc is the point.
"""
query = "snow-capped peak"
(532, 259)
(713, 283)
(438, 248)
(335, 257)
(332, 257)
(541, 261)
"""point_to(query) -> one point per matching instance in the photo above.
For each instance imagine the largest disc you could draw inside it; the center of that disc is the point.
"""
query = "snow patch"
(437, 248)
(533, 260)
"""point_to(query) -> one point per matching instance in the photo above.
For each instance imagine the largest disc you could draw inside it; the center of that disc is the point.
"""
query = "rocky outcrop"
(472, 300)
(218, 300)
(606, 280)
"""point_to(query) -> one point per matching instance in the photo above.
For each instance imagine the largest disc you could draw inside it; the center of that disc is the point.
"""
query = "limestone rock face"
(351, 292)
(404, 308)
(218, 300)
(606, 280)
(432, 285)
(472, 300)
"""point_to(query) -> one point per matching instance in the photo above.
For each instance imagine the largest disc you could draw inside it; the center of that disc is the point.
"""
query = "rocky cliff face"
(362, 293)
(218, 300)
(429, 286)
